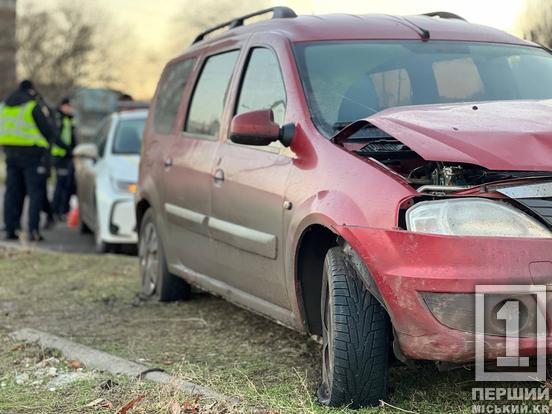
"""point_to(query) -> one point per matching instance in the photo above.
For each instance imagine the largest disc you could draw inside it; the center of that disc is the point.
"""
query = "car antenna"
(424, 33)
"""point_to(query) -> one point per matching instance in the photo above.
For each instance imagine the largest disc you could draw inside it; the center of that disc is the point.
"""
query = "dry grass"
(92, 300)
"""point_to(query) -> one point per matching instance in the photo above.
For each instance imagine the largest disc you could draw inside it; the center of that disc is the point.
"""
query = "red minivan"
(354, 178)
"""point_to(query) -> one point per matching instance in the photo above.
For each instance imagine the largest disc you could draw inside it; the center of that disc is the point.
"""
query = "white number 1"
(510, 313)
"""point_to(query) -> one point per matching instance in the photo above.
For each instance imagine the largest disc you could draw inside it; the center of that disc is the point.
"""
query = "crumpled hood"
(505, 135)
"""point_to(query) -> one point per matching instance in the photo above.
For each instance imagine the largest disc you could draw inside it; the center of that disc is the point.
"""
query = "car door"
(248, 196)
(100, 165)
(157, 152)
(86, 176)
(189, 163)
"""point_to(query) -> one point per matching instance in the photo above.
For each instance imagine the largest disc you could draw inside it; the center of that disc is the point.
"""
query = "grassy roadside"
(34, 380)
(92, 300)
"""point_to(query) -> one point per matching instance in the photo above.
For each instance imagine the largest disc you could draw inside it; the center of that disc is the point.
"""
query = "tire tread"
(360, 338)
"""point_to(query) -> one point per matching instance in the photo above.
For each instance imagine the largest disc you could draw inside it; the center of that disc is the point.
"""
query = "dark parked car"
(354, 178)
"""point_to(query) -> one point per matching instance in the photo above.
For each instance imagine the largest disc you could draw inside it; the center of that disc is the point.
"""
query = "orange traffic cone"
(73, 218)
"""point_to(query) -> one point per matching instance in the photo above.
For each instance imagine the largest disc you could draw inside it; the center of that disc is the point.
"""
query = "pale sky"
(152, 24)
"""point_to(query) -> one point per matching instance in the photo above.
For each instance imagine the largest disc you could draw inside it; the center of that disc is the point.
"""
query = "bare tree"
(199, 15)
(64, 48)
(536, 22)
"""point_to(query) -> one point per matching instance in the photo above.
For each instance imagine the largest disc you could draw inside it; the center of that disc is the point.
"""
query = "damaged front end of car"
(480, 213)
(457, 164)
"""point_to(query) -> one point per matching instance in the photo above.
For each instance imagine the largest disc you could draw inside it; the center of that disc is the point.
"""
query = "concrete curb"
(103, 361)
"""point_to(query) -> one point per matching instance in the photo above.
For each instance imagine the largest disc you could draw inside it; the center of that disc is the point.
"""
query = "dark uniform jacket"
(43, 123)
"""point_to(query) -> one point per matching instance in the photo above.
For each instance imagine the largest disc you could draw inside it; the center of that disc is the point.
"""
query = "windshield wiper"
(338, 126)
(367, 131)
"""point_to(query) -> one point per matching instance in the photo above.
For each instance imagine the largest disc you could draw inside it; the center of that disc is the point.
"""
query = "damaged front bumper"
(413, 272)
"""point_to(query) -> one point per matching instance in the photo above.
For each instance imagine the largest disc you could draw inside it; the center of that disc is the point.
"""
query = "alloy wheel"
(149, 259)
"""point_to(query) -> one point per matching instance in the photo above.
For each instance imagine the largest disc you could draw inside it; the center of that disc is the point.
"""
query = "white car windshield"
(128, 136)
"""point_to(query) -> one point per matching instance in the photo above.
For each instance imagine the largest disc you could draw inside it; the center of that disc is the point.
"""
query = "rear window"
(393, 87)
(204, 116)
(169, 96)
(458, 80)
(128, 136)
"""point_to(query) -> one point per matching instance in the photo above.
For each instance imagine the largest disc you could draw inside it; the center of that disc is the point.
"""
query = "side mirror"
(86, 151)
(258, 128)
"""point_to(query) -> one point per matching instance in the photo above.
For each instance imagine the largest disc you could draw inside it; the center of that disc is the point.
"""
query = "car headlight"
(473, 217)
(123, 186)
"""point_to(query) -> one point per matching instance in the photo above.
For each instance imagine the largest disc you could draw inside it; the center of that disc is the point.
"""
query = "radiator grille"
(540, 206)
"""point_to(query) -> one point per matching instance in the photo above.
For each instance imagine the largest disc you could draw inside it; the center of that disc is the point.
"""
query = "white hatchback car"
(106, 174)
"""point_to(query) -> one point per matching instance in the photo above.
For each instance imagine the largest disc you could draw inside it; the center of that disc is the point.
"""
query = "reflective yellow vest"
(18, 127)
(66, 138)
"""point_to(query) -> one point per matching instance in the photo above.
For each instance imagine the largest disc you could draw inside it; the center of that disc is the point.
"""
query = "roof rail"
(279, 12)
(444, 15)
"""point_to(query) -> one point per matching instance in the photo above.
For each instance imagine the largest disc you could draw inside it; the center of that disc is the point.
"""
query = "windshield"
(128, 136)
(346, 81)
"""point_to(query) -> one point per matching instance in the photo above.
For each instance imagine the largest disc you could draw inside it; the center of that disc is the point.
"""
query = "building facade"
(8, 47)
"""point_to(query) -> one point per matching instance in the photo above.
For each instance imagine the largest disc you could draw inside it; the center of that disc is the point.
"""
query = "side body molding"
(189, 219)
(243, 238)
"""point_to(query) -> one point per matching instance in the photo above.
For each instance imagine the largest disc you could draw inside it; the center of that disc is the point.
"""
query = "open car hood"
(505, 135)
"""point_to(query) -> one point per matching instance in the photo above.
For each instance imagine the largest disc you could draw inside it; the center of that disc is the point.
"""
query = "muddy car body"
(317, 215)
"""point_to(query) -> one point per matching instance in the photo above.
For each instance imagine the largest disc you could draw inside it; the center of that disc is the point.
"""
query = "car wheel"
(157, 281)
(84, 229)
(356, 332)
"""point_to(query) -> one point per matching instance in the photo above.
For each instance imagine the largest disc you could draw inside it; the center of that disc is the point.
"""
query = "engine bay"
(426, 176)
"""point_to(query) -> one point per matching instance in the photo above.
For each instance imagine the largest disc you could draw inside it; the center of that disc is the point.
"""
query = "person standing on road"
(62, 161)
(26, 135)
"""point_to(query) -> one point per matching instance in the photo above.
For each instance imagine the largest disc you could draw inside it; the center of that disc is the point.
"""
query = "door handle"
(168, 162)
(218, 176)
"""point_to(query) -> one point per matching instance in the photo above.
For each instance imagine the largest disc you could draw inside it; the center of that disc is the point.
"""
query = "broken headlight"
(473, 217)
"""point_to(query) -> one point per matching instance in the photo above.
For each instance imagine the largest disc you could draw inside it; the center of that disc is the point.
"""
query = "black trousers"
(64, 185)
(25, 175)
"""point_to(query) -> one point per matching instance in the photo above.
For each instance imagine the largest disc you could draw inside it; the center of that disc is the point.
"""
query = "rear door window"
(205, 114)
(170, 94)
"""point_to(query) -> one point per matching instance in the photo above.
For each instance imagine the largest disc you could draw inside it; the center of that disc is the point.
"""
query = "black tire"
(103, 247)
(84, 229)
(157, 282)
(356, 331)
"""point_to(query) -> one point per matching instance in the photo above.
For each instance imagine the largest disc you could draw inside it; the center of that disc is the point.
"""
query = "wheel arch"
(314, 243)
(141, 207)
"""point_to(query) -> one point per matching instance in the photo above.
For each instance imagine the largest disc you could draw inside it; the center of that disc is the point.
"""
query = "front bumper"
(122, 221)
(404, 264)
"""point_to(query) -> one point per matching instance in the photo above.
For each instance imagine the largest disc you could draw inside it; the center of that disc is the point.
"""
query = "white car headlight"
(473, 217)
(123, 186)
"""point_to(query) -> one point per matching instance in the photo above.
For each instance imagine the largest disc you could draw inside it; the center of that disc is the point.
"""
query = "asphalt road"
(59, 238)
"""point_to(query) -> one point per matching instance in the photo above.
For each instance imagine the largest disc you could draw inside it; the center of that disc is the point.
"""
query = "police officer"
(62, 160)
(26, 135)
